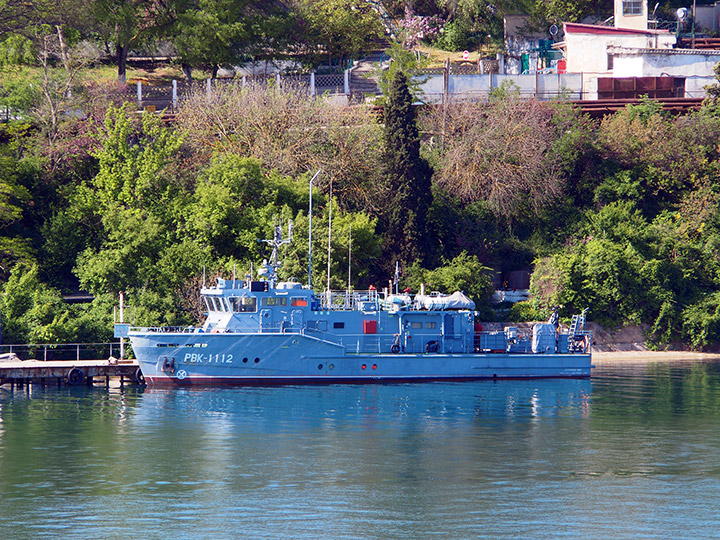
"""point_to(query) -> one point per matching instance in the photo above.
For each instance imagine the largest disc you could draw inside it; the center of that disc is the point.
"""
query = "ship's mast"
(270, 270)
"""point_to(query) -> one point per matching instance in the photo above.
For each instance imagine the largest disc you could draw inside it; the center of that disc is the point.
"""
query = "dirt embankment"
(629, 338)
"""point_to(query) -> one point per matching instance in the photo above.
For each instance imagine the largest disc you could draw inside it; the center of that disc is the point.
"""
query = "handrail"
(62, 351)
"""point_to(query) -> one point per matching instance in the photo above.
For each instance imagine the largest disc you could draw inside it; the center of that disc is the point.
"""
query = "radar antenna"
(270, 269)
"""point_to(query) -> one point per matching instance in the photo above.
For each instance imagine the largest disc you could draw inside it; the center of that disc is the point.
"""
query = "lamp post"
(310, 232)
(693, 26)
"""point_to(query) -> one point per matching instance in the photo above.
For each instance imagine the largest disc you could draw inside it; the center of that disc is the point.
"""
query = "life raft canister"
(477, 331)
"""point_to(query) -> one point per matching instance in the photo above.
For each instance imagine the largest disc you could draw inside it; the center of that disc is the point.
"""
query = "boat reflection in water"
(294, 407)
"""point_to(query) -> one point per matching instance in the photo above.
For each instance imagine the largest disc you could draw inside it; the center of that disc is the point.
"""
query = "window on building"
(632, 7)
(610, 61)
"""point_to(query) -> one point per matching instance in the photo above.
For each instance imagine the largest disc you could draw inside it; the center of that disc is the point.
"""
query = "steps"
(363, 77)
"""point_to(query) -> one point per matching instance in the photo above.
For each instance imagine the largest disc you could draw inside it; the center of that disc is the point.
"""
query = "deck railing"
(63, 351)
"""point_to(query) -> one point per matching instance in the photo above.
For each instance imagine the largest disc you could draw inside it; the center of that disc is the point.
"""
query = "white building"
(631, 49)
(587, 46)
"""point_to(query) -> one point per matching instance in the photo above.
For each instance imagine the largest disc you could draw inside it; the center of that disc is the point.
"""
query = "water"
(632, 454)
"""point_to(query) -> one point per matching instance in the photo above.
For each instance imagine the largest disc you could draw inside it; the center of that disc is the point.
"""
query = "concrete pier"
(72, 373)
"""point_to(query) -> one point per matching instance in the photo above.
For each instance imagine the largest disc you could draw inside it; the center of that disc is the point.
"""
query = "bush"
(454, 37)
(527, 312)
(701, 322)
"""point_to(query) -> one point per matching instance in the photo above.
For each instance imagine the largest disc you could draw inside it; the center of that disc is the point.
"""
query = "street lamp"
(310, 231)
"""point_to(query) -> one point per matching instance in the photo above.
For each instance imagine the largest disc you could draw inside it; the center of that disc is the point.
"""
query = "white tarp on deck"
(456, 300)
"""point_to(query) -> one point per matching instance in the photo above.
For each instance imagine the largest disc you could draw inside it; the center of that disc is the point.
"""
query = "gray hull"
(266, 359)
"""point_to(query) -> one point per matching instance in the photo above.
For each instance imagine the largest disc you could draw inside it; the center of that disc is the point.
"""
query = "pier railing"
(63, 351)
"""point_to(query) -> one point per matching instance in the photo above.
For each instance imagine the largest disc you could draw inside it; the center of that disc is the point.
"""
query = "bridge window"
(274, 301)
(339, 325)
(211, 304)
(300, 302)
(430, 325)
(243, 304)
(416, 325)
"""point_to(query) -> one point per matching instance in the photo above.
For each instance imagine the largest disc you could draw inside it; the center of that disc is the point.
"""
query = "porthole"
(320, 366)
(257, 360)
(245, 360)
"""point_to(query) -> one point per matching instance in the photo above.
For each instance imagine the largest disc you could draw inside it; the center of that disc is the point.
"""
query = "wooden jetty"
(16, 372)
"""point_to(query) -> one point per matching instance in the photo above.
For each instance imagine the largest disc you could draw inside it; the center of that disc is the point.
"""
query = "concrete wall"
(658, 64)
(542, 86)
(649, 64)
(696, 66)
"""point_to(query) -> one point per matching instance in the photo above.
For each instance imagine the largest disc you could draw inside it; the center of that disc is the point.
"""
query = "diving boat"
(267, 332)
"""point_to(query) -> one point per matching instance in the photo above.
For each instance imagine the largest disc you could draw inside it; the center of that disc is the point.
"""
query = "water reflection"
(630, 454)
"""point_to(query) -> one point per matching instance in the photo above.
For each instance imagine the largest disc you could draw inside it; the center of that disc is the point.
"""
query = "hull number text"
(195, 358)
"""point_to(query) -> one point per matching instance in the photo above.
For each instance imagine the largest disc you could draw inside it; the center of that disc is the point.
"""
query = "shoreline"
(650, 356)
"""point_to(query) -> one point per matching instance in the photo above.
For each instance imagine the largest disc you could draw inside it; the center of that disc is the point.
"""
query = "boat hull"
(179, 359)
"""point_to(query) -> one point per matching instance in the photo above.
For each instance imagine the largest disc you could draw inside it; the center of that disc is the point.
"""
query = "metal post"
(693, 27)
(347, 82)
(310, 231)
(122, 320)
(446, 84)
(312, 83)
(139, 92)
(77, 355)
(277, 80)
(174, 94)
(208, 87)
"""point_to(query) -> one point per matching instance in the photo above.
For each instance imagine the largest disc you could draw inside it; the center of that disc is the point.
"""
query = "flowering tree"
(415, 28)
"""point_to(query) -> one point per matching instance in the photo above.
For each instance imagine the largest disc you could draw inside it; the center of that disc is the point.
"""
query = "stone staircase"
(363, 77)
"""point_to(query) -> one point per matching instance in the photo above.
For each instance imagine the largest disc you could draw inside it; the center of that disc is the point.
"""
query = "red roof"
(577, 28)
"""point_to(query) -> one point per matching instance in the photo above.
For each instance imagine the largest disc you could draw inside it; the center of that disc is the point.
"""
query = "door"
(266, 320)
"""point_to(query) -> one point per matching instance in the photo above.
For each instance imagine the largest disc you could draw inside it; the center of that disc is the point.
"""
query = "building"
(630, 48)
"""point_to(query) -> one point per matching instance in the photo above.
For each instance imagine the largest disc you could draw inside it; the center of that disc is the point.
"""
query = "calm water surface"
(634, 453)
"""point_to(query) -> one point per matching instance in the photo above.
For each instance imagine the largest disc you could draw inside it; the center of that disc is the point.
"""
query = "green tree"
(402, 61)
(17, 174)
(463, 273)
(291, 132)
(339, 28)
(701, 322)
(222, 33)
(133, 161)
(31, 311)
(407, 186)
(130, 23)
